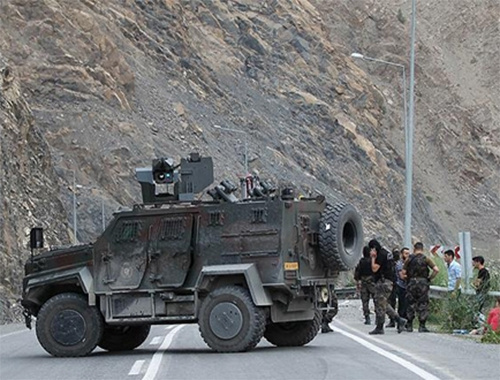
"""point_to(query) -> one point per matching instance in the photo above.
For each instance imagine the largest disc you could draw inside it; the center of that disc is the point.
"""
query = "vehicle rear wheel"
(293, 333)
(123, 338)
(229, 321)
(67, 326)
(340, 237)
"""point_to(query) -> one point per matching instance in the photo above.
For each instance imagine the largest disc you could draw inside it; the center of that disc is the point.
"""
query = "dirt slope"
(99, 88)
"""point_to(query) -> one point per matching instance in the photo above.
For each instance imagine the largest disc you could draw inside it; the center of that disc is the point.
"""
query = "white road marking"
(402, 351)
(14, 333)
(169, 327)
(136, 368)
(156, 340)
(154, 365)
(402, 362)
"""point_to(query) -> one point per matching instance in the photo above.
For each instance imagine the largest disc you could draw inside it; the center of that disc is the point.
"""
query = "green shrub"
(490, 337)
(454, 313)
(442, 277)
(494, 269)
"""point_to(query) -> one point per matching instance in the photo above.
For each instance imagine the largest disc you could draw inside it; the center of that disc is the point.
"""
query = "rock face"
(90, 90)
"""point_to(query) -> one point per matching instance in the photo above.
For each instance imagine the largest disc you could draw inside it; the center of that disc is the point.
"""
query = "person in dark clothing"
(363, 276)
(393, 296)
(416, 272)
(482, 282)
(383, 269)
(401, 282)
(328, 315)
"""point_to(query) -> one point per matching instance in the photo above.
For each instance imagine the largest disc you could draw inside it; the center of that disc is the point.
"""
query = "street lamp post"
(411, 122)
(246, 143)
(408, 145)
(75, 229)
(75, 240)
(103, 218)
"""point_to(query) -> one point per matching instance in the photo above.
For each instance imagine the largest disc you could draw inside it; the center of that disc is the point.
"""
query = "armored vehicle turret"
(242, 269)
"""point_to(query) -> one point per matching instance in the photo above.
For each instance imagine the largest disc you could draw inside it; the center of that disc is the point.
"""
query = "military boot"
(392, 323)
(367, 320)
(325, 328)
(401, 324)
(409, 326)
(422, 327)
(379, 329)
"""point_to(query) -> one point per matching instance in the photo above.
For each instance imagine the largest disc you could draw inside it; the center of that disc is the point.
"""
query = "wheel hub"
(68, 327)
(226, 320)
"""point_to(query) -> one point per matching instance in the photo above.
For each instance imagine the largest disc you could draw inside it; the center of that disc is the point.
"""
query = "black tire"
(340, 237)
(123, 338)
(67, 326)
(229, 321)
(293, 333)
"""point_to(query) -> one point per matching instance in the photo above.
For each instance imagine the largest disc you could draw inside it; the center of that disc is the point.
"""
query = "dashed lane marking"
(13, 333)
(402, 362)
(156, 340)
(136, 368)
(154, 365)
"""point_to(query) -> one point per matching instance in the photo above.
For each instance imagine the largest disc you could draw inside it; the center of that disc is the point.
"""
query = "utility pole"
(75, 239)
(103, 218)
(407, 223)
(246, 143)
(411, 123)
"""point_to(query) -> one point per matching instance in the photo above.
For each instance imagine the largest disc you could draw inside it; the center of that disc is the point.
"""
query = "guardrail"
(441, 292)
(435, 292)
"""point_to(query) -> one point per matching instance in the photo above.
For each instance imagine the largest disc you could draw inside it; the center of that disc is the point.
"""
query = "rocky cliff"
(91, 90)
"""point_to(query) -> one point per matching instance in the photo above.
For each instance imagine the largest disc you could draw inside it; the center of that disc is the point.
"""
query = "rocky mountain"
(91, 90)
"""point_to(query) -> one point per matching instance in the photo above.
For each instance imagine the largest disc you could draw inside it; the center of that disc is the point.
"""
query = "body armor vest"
(417, 267)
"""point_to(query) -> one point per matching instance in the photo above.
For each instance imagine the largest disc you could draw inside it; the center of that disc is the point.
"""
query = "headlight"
(324, 294)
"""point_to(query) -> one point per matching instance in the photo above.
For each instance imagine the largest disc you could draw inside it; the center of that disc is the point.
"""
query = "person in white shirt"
(454, 273)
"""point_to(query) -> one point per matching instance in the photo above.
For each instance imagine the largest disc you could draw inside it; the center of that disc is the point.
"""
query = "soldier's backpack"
(417, 267)
(390, 270)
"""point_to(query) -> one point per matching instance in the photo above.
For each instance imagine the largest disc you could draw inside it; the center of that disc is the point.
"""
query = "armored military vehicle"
(260, 266)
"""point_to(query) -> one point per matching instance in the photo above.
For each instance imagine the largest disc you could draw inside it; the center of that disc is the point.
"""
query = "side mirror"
(36, 238)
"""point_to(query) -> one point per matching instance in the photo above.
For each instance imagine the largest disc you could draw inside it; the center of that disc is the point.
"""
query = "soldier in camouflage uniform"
(329, 315)
(363, 276)
(416, 271)
(384, 275)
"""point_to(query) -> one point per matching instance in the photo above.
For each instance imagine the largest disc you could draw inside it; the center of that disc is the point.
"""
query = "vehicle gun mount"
(164, 182)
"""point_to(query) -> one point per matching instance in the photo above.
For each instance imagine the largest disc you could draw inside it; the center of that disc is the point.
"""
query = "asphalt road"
(178, 352)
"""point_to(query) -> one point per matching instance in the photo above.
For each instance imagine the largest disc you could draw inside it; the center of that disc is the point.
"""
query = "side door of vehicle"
(170, 249)
(120, 255)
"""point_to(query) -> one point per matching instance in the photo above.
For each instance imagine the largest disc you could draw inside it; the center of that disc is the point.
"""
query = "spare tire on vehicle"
(340, 237)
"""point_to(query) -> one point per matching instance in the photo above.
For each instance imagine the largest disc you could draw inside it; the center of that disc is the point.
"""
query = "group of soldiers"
(403, 278)
(386, 276)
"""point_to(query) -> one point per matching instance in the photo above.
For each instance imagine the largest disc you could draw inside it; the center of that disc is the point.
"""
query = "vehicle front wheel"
(229, 320)
(67, 326)
(123, 338)
(293, 333)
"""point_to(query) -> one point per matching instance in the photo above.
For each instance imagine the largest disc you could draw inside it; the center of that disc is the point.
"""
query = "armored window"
(128, 232)
(172, 228)
(215, 218)
(259, 215)
(189, 187)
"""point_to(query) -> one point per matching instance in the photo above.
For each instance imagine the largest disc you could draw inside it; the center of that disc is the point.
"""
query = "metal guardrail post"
(466, 253)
